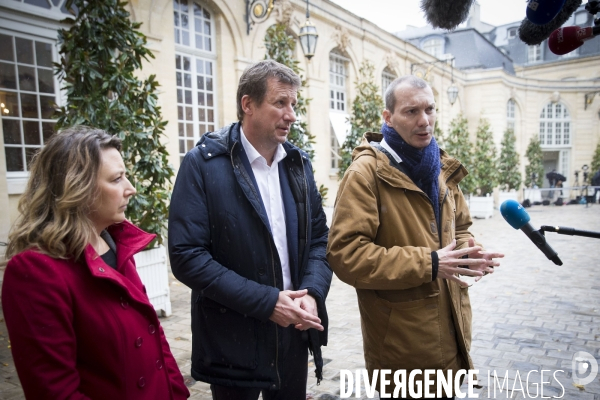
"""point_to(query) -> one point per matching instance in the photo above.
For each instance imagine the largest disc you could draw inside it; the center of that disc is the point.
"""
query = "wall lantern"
(308, 36)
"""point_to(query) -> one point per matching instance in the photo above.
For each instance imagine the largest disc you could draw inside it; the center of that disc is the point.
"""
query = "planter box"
(153, 271)
(503, 196)
(481, 207)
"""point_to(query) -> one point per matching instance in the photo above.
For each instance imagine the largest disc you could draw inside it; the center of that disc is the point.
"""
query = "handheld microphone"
(565, 40)
(533, 34)
(446, 14)
(517, 217)
(540, 12)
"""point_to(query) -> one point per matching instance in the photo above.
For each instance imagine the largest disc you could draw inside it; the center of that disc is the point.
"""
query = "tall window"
(510, 114)
(337, 82)
(511, 33)
(195, 68)
(434, 46)
(534, 53)
(27, 98)
(387, 77)
(555, 125)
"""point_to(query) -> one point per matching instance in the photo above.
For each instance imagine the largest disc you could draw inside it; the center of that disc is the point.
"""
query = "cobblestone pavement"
(530, 315)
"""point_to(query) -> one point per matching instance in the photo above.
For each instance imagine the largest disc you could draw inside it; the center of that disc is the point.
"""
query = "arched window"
(195, 72)
(555, 126)
(387, 77)
(434, 46)
(510, 114)
(337, 82)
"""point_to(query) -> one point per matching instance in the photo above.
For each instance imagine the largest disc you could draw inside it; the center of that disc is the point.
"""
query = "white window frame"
(196, 56)
(534, 53)
(510, 114)
(335, 157)
(433, 46)
(338, 89)
(387, 78)
(40, 30)
(555, 130)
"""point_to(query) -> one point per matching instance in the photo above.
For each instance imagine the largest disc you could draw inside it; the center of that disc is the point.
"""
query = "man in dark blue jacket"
(247, 233)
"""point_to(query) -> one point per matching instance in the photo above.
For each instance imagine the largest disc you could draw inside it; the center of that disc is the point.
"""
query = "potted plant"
(97, 68)
(485, 172)
(509, 175)
(534, 171)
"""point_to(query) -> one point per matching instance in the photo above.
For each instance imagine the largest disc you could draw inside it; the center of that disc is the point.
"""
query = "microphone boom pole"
(569, 231)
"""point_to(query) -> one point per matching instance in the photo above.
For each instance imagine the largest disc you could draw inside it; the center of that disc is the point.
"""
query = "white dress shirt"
(267, 179)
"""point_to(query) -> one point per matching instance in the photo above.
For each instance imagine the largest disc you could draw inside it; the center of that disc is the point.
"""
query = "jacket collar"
(129, 240)
(451, 174)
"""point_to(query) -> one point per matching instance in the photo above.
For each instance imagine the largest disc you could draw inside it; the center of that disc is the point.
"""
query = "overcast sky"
(394, 15)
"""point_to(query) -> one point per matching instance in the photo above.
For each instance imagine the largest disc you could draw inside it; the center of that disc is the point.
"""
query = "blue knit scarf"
(423, 165)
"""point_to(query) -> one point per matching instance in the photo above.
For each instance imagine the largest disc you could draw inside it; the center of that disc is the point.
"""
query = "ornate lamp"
(308, 36)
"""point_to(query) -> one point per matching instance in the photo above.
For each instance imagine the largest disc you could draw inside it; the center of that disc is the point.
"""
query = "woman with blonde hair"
(80, 323)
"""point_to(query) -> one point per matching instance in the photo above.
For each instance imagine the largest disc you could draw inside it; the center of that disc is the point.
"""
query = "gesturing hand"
(486, 255)
(450, 261)
(287, 312)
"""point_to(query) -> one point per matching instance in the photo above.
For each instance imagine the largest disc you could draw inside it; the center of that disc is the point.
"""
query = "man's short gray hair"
(390, 92)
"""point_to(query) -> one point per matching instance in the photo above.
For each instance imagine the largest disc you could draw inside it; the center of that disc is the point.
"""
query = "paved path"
(529, 315)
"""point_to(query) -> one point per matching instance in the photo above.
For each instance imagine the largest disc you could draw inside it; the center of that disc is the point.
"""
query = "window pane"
(199, 42)
(209, 100)
(43, 53)
(24, 50)
(188, 97)
(6, 50)
(8, 77)
(200, 82)
(47, 106)
(45, 81)
(188, 114)
(47, 130)
(29, 153)
(209, 85)
(29, 107)
(201, 101)
(179, 112)
(179, 96)
(11, 103)
(38, 3)
(14, 159)
(27, 78)
(185, 38)
(201, 114)
(178, 62)
(186, 64)
(31, 132)
(12, 133)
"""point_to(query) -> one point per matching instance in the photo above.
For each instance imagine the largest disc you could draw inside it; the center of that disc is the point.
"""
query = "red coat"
(84, 330)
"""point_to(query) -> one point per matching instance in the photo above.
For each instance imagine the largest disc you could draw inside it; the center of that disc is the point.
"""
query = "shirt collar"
(254, 155)
(386, 146)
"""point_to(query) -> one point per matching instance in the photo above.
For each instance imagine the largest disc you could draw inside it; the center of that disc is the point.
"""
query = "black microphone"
(446, 14)
(517, 217)
(533, 34)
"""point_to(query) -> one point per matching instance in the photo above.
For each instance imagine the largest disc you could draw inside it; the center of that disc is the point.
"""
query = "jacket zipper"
(274, 279)
(306, 216)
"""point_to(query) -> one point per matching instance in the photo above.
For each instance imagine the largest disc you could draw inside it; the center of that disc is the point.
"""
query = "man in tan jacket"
(400, 236)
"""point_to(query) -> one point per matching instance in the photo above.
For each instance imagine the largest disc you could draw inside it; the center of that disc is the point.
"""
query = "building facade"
(201, 47)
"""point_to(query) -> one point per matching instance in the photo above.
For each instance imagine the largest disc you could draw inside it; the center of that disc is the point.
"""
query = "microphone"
(446, 14)
(532, 33)
(540, 12)
(517, 217)
(565, 40)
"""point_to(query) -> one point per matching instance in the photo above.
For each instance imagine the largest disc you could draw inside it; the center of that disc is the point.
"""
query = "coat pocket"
(226, 337)
(413, 336)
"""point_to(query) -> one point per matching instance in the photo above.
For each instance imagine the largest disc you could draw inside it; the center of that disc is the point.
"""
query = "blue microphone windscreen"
(514, 214)
(540, 12)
